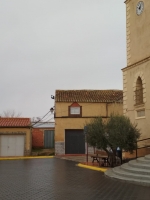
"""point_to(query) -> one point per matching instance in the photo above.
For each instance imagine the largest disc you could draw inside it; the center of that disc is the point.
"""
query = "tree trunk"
(114, 158)
(111, 157)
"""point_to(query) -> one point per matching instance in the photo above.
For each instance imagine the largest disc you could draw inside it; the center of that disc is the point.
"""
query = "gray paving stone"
(58, 179)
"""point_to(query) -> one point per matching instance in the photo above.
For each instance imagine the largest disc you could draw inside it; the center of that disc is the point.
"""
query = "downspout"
(107, 110)
(30, 140)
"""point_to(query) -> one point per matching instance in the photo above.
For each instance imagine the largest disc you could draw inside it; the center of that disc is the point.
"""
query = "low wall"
(140, 153)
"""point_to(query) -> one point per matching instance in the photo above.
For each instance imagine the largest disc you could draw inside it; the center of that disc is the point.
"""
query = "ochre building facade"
(73, 108)
(15, 137)
(136, 75)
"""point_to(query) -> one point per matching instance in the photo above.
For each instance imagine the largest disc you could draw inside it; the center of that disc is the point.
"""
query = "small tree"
(117, 131)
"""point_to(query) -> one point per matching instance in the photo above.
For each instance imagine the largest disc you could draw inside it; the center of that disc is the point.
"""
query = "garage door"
(74, 142)
(48, 139)
(12, 145)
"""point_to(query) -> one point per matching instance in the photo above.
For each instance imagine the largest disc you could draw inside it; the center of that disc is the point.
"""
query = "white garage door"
(12, 145)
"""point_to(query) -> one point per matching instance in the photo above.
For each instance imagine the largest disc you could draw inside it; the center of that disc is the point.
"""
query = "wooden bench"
(106, 159)
(94, 157)
(99, 157)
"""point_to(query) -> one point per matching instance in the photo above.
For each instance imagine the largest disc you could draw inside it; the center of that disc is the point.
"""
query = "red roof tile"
(14, 122)
(98, 96)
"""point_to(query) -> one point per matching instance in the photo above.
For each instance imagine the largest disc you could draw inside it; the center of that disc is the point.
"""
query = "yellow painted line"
(91, 167)
(23, 158)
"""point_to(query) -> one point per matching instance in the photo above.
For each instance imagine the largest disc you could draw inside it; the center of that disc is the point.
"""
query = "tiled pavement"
(81, 158)
(58, 179)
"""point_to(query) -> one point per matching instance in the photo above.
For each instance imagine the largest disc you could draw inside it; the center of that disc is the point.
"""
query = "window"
(139, 92)
(75, 110)
(141, 113)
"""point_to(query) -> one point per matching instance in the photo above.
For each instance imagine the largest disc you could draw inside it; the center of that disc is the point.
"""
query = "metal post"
(87, 153)
(136, 149)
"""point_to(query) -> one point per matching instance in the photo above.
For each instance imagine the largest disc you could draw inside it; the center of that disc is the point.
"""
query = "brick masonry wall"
(37, 138)
(59, 148)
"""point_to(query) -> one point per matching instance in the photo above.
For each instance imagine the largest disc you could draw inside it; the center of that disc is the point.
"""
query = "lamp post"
(85, 132)
(87, 151)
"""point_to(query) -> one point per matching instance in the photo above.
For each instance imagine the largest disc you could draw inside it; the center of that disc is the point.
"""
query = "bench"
(99, 157)
(95, 157)
(107, 159)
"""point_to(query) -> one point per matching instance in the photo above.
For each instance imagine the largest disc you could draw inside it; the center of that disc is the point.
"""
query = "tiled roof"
(89, 96)
(14, 122)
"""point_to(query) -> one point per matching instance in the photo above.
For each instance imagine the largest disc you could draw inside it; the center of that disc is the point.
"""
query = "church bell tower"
(136, 75)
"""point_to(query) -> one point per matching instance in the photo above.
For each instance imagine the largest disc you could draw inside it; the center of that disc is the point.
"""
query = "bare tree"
(35, 119)
(11, 113)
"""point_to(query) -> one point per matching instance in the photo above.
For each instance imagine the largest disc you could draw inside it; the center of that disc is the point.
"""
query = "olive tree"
(109, 134)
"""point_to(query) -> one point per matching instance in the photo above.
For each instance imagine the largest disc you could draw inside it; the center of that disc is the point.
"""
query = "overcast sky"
(58, 44)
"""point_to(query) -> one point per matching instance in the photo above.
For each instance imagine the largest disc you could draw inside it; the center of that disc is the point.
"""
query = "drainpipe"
(107, 110)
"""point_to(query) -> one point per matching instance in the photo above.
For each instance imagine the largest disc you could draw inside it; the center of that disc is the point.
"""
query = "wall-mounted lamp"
(52, 110)
(52, 97)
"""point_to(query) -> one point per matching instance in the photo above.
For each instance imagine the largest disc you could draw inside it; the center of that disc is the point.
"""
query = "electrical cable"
(41, 119)
(48, 116)
(44, 122)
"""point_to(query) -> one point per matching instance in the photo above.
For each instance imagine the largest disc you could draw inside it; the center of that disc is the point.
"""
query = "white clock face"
(139, 7)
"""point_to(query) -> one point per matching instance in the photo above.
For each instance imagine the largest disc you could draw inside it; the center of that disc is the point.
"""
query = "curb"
(92, 168)
(25, 158)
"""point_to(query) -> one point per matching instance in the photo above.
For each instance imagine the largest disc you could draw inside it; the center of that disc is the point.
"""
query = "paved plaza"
(59, 179)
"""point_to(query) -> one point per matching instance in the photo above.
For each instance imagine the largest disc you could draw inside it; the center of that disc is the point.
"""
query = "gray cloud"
(62, 44)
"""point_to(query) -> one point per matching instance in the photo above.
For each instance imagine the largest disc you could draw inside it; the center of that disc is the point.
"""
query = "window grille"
(139, 96)
(139, 91)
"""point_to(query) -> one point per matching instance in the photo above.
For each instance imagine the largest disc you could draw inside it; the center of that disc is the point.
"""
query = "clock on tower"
(140, 7)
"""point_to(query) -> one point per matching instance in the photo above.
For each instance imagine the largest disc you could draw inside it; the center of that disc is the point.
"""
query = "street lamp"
(52, 110)
(85, 132)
